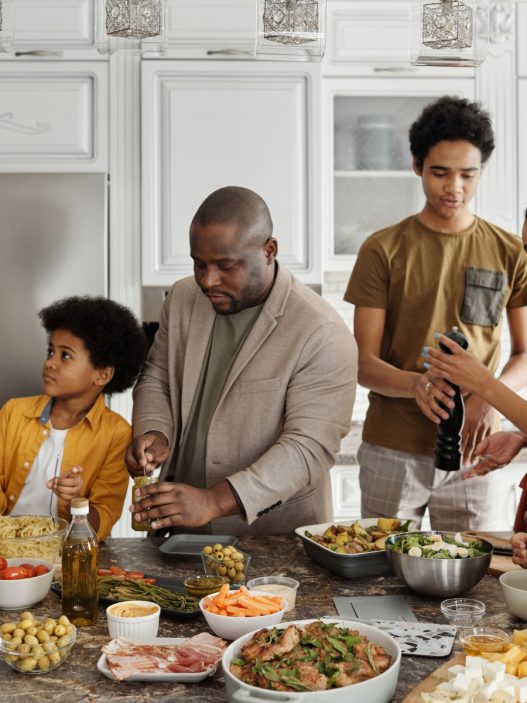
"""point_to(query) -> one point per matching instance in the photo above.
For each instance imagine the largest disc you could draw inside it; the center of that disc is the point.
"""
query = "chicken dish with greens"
(316, 657)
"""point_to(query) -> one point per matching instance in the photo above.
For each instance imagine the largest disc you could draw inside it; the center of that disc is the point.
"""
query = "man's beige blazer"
(284, 409)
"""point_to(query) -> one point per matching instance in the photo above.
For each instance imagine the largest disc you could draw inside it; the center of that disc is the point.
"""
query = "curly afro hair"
(110, 332)
(450, 119)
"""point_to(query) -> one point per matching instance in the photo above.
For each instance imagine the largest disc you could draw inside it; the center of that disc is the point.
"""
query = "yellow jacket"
(97, 443)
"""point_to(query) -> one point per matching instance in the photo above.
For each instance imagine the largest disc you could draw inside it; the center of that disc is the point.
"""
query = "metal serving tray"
(349, 566)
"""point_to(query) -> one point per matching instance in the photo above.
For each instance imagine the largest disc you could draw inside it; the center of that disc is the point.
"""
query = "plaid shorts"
(398, 484)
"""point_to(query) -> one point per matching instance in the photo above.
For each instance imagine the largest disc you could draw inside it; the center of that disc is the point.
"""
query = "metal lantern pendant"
(137, 19)
(291, 27)
(449, 32)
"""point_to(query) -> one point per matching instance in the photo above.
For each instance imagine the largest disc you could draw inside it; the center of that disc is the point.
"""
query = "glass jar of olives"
(228, 562)
(139, 482)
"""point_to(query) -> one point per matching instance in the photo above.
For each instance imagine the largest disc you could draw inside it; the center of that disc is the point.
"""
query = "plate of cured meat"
(186, 660)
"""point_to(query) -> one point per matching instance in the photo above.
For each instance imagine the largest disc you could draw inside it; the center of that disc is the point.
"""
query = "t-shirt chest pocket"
(484, 296)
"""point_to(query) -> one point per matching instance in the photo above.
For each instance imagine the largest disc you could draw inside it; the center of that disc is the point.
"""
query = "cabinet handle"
(229, 52)
(394, 69)
(39, 53)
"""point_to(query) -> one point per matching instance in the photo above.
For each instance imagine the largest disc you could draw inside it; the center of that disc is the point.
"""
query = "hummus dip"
(132, 610)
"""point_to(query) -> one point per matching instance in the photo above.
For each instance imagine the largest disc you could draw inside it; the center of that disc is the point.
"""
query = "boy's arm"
(108, 491)
(385, 379)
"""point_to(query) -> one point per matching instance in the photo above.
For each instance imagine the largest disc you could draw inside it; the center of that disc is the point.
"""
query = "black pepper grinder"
(448, 445)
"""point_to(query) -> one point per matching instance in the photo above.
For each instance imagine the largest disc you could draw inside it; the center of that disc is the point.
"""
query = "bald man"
(248, 388)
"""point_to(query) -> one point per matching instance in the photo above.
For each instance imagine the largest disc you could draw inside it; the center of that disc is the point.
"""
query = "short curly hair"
(451, 119)
(110, 332)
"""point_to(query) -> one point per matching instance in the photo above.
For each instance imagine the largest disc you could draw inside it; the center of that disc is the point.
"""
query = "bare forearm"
(514, 373)
(383, 378)
(507, 402)
(224, 500)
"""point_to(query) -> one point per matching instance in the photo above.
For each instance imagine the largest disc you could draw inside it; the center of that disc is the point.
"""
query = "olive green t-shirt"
(427, 282)
(227, 337)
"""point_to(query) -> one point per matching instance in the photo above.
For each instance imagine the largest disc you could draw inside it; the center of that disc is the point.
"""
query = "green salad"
(439, 546)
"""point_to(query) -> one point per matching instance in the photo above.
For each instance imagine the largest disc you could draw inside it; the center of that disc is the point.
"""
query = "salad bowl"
(454, 566)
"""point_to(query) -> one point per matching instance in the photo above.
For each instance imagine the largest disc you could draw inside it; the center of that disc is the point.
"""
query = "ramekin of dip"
(282, 586)
(137, 620)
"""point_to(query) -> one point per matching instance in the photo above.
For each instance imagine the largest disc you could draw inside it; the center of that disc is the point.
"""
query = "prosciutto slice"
(196, 654)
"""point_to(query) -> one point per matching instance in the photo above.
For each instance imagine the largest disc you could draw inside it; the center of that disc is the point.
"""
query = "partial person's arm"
(519, 549)
(385, 379)
(107, 491)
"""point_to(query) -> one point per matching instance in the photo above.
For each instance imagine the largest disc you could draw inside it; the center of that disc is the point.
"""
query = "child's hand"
(68, 486)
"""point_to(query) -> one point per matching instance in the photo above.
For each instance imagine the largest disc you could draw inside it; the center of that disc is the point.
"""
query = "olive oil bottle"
(80, 600)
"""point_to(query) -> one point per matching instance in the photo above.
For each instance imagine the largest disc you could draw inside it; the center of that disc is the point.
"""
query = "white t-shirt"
(35, 498)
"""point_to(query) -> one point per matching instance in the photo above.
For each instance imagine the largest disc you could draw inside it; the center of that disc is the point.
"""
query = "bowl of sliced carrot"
(231, 614)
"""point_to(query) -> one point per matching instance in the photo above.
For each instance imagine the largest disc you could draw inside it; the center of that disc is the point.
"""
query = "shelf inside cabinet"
(358, 173)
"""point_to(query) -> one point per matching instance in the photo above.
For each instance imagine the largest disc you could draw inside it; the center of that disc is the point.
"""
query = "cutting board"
(434, 679)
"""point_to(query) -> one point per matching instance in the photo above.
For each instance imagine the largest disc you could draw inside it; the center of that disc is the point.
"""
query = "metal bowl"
(441, 578)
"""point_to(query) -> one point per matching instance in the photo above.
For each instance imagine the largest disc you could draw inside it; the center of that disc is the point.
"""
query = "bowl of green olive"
(36, 646)
(228, 562)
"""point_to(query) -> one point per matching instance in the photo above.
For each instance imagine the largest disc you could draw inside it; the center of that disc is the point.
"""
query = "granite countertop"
(78, 679)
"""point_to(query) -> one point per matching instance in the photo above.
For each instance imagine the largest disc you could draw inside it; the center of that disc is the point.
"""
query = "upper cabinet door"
(54, 116)
(210, 124)
(55, 25)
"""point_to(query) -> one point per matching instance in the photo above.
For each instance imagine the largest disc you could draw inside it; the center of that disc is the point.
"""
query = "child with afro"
(67, 440)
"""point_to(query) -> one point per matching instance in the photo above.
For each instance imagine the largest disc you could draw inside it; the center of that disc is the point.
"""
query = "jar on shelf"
(375, 140)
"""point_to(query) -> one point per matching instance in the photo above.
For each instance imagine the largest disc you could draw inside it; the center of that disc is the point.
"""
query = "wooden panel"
(210, 125)
(51, 117)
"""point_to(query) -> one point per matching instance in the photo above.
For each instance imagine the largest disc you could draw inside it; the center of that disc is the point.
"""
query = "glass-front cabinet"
(370, 182)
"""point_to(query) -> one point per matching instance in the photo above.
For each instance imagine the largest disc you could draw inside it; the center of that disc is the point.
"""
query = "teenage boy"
(441, 268)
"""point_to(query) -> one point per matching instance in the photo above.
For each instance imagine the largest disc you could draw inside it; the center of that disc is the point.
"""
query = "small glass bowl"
(200, 586)
(235, 573)
(484, 639)
(282, 586)
(49, 656)
(463, 612)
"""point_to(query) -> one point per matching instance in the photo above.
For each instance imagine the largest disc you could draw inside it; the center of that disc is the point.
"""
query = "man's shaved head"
(238, 206)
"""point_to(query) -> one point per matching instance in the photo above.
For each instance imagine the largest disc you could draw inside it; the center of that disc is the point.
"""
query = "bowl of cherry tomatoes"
(24, 582)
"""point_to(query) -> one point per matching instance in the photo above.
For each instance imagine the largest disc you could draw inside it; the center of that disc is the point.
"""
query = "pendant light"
(137, 26)
(449, 32)
(291, 27)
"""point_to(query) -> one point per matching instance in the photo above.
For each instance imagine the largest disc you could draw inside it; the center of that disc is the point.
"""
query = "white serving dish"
(514, 589)
(349, 566)
(377, 690)
(230, 627)
(20, 594)
(102, 666)
(138, 629)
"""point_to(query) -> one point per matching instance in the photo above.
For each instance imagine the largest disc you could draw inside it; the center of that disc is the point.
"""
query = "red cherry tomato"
(3, 563)
(41, 569)
(104, 572)
(117, 571)
(136, 575)
(14, 572)
(30, 569)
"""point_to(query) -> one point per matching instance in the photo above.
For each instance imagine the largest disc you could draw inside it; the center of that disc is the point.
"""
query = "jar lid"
(80, 506)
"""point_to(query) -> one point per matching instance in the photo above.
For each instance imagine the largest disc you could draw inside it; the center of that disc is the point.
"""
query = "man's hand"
(495, 451)
(479, 422)
(429, 392)
(68, 486)
(146, 453)
(519, 549)
(171, 504)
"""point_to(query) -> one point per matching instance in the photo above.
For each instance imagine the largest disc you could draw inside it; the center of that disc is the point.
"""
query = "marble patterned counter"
(78, 679)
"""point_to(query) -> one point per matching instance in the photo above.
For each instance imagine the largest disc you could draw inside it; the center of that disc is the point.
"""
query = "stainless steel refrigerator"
(53, 243)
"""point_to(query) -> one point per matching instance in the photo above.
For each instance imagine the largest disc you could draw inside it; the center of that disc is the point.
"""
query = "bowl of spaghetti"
(36, 536)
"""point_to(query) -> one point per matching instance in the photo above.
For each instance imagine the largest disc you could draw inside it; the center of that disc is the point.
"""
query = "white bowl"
(282, 586)
(230, 627)
(23, 593)
(377, 690)
(514, 588)
(137, 628)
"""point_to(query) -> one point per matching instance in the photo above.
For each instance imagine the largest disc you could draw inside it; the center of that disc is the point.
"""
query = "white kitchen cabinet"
(521, 33)
(208, 28)
(54, 27)
(368, 179)
(53, 117)
(522, 150)
(210, 124)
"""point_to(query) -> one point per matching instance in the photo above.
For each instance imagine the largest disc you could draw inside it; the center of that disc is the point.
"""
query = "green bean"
(131, 589)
